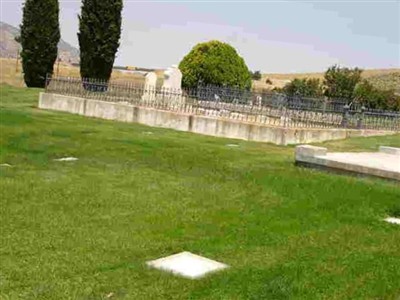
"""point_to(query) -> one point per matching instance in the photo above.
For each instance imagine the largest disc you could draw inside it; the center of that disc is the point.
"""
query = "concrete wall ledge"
(206, 125)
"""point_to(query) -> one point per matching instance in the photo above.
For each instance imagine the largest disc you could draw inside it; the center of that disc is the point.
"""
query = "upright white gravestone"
(171, 89)
(172, 79)
(149, 93)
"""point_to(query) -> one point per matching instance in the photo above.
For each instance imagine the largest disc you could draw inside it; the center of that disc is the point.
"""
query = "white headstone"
(172, 78)
(172, 92)
(150, 80)
(149, 93)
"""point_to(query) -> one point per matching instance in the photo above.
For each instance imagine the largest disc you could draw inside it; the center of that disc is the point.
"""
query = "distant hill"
(386, 81)
(9, 48)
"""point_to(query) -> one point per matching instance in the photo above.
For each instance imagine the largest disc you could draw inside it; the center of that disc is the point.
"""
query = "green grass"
(84, 229)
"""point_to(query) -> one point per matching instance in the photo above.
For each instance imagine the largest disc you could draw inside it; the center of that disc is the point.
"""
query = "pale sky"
(272, 36)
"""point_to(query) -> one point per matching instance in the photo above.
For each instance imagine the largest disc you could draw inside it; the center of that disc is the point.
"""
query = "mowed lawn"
(84, 229)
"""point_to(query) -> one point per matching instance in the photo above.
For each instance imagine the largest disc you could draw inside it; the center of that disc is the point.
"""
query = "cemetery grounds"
(84, 229)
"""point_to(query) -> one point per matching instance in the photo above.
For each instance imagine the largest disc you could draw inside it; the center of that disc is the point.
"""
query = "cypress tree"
(40, 34)
(99, 34)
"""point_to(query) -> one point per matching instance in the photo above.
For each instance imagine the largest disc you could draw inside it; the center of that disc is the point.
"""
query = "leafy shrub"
(341, 82)
(303, 87)
(214, 63)
(372, 97)
(255, 75)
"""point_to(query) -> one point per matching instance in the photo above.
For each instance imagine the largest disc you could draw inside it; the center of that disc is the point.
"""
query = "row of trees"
(212, 62)
(99, 34)
(344, 83)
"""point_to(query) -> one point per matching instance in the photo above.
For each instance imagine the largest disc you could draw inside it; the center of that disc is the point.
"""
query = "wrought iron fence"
(232, 103)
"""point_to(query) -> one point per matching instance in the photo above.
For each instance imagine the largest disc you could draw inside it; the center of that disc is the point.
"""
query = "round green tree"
(214, 63)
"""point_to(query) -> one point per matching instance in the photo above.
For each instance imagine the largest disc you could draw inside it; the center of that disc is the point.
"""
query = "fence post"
(361, 118)
(345, 120)
(285, 108)
(46, 84)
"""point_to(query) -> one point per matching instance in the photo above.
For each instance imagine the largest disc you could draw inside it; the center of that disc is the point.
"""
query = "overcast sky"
(272, 36)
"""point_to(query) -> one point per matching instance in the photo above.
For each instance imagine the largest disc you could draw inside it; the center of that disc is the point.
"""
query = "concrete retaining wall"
(109, 110)
(73, 105)
(194, 123)
(161, 118)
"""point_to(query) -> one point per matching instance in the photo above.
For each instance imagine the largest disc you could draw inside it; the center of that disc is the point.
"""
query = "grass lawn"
(84, 229)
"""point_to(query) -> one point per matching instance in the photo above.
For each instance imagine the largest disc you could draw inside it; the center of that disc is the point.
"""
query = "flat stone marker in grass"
(393, 220)
(232, 145)
(187, 264)
(385, 163)
(5, 165)
(66, 159)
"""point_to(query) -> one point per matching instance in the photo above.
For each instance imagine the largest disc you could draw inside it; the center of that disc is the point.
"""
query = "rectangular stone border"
(219, 127)
(312, 157)
(389, 150)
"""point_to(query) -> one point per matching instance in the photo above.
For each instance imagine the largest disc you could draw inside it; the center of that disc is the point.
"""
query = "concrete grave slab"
(393, 220)
(66, 159)
(389, 150)
(187, 264)
(385, 163)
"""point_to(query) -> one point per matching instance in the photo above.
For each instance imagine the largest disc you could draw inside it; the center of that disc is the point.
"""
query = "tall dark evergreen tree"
(40, 34)
(99, 34)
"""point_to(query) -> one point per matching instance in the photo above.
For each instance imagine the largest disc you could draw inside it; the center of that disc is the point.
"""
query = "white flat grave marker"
(66, 159)
(6, 165)
(393, 220)
(187, 264)
(232, 145)
(384, 164)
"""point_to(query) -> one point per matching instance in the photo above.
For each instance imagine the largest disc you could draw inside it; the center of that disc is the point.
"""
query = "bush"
(214, 63)
(99, 34)
(341, 82)
(40, 34)
(255, 75)
(303, 87)
(268, 81)
(372, 97)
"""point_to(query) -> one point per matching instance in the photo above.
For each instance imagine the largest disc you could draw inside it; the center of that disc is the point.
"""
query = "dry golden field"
(11, 73)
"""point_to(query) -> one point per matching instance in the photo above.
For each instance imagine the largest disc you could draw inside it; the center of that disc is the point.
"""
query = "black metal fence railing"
(233, 103)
